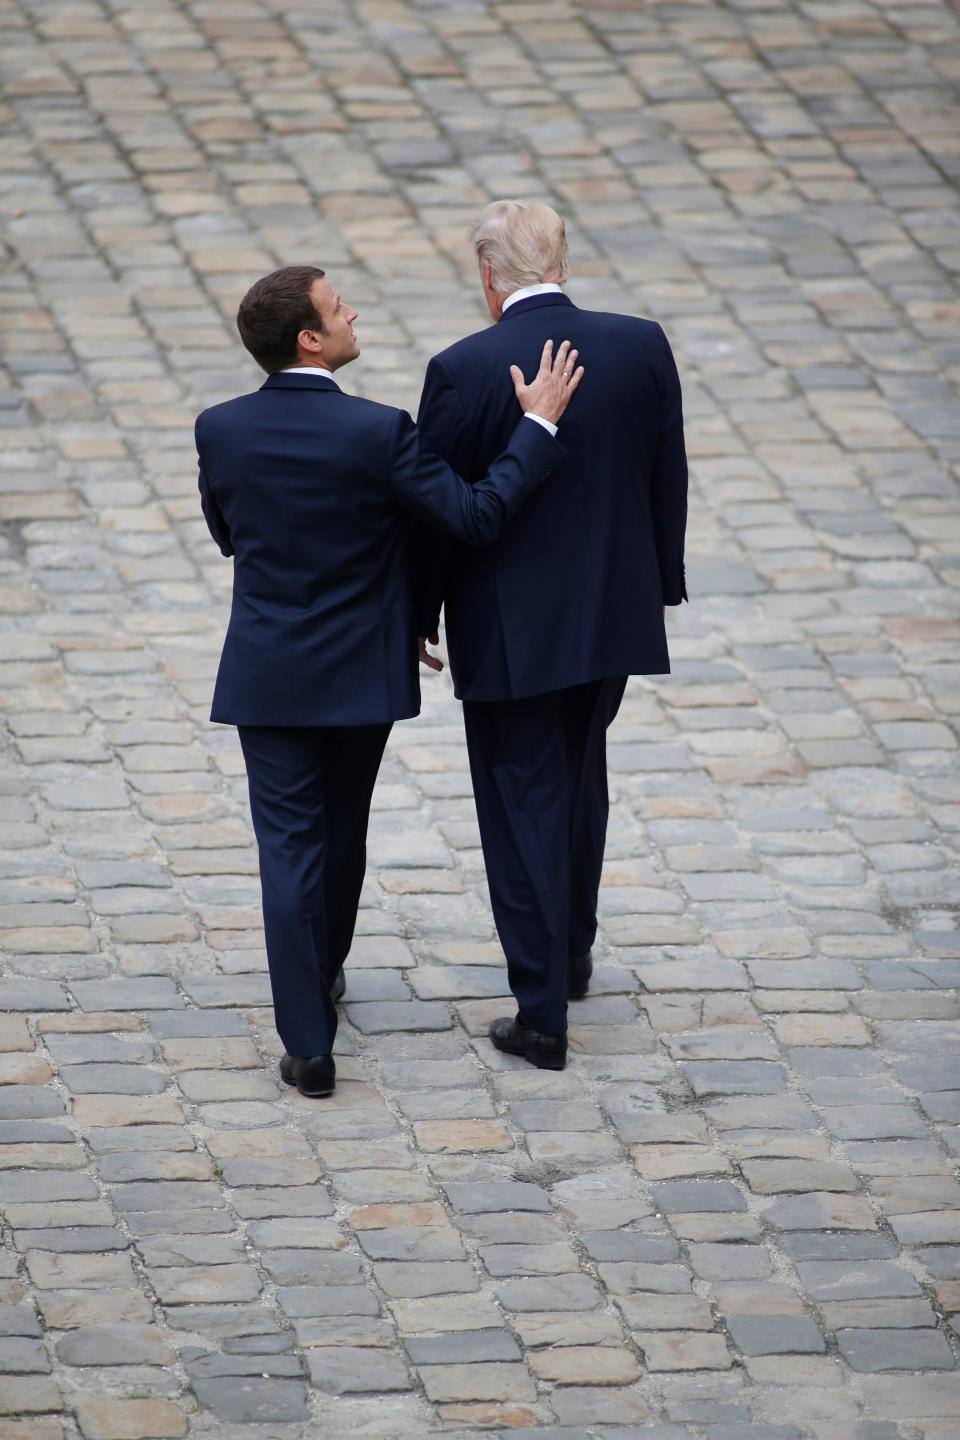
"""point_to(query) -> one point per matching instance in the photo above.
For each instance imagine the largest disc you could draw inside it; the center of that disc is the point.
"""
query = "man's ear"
(310, 343)
(494, 303)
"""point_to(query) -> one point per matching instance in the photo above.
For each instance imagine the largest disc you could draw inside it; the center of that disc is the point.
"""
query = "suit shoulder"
(226, 412)
(355, 408)
(632, 334)
(372, 412)
(460, 351)
(493, 337)
(634, 326)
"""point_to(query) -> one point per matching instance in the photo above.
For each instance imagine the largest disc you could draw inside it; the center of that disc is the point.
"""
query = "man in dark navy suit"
(311, 491)
(544, 626)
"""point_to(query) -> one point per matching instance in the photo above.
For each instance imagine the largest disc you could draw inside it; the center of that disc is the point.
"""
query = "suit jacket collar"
(535, 302)
(290, 380)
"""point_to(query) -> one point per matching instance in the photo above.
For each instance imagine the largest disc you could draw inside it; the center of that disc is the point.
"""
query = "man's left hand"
(432, 662)
(549, 392)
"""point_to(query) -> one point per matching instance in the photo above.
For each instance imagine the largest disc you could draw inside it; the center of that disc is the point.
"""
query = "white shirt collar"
(547, 288)
(308, 370)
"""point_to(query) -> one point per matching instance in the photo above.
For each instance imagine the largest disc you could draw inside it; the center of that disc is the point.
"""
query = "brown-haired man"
(310, 490)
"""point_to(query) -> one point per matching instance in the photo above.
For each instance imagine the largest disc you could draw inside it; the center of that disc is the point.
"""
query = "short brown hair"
(274, 311)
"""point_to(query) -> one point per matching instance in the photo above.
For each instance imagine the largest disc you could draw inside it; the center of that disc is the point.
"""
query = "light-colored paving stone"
(736, 1212)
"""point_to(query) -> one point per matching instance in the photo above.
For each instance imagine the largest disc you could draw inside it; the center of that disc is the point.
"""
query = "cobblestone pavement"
(734, 1217)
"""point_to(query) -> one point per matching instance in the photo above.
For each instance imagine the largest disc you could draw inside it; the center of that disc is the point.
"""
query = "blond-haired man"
(544, 626)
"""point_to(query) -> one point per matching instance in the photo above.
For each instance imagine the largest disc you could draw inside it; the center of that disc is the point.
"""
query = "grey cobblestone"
(735, 1214)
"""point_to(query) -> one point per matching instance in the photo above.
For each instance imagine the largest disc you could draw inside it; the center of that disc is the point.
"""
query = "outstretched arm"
(478, 513)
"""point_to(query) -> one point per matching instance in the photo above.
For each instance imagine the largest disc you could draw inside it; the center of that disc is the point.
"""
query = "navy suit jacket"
(574, 590)
(310, 491)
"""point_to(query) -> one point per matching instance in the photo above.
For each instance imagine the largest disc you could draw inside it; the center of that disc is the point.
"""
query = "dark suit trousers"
(310, 792)
(539, 769)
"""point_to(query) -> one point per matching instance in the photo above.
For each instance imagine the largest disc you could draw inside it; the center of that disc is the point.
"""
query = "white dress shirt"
(547, 287)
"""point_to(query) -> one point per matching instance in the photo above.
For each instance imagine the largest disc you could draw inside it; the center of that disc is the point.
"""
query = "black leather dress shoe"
(339, 986)
(313, 1075)
(547, 1052)
(580, 968)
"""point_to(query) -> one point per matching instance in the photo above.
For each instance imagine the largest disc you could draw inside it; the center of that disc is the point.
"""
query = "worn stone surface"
(736, 1212)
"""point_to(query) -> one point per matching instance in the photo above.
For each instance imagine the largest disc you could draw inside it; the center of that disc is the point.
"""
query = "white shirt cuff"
(547, 424)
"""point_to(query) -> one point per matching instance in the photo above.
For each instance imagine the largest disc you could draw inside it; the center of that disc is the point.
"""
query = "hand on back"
(548, 393)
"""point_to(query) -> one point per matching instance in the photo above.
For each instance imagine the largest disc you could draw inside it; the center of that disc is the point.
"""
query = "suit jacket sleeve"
(426, 485)
(442, 428)
(669, 495)
(441, 421)
(211, 510)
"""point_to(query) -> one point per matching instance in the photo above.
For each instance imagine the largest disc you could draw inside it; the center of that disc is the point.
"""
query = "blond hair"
(524, 243)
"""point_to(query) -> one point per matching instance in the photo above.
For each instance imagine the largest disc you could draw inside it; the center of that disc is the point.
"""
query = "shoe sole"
(308, 1094)
(541, 1063)
(546, 1064)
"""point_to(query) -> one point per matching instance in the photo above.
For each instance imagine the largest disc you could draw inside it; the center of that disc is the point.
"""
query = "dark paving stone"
(180, 1220)
(108, 1345)
(754, 1432)
(775, 1334)
(257, 1345)
(29, 1102)
(242, 1400)
(553, 1292)
(629, 1245)
(492, 1195)
(808, 1245)
(881, 1350)
(675, 1197)
(462, 1347)
(227, 990)
(943, 1106)
(28, 1132)
(300, 1301)
(148, 993)
(111, 1139)
(734, 1077)
(312, 1267)
(34, 1187)
(876, 1430)
(857, 1280)
(209, 1367)
(68, 1241)
(19, 1320)
(102, 1049)
(20, 1355)
(372, 1017)
(177, 1195)
(345, 1369)
(34, 995)
(112, 1080)
(817, 1061)
(943, 1261)
(195, 1024)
